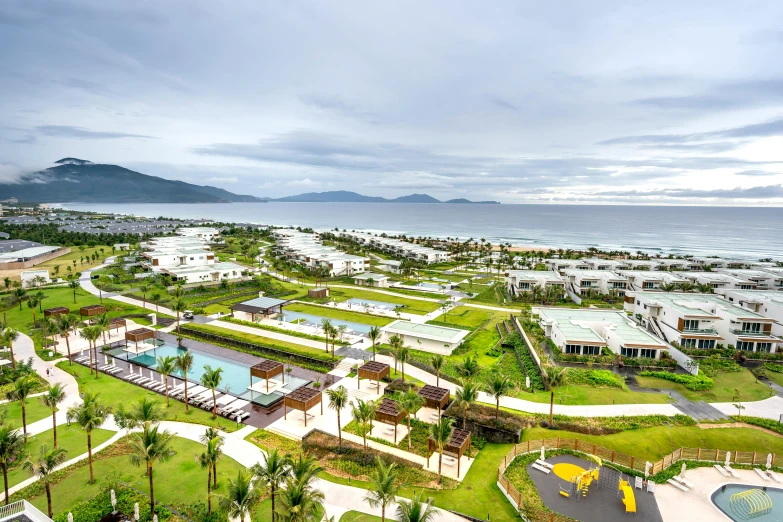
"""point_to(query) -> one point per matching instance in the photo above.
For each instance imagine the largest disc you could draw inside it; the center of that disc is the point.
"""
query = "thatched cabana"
(57, 311)
(117, 323)
(302, 399)
(266, 370)
(388, 412)
(139, 335)
(458, 444)
(91, 310)
(435, 397)
(372, 370)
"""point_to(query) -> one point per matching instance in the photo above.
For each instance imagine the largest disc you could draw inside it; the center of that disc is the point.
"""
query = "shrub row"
(99, 506)
(526, 361)
(713, 366)
(292, 333)
(605, 378)
(761, 422)
(698, 382)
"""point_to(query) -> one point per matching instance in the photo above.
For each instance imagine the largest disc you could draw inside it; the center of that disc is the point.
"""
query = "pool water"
(311, 319)
(355, 301)
(431, 286)
(236, 376)
(750, 505)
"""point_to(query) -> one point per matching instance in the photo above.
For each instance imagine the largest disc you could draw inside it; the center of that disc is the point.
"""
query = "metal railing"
(23, 507)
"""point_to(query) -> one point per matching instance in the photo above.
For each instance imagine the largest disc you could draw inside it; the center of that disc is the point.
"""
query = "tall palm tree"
(384, 486)
(65, 323)
(326, 325)
(91, 334)
(145, 410)
(73, 284)
(498, 386)
(166, 366)
(417, 510)
(103, 321)
(148, 446)
(440, 433)
(210, 433)
(409, 402)
(32, 304)
(241, 497)
(144, 287)
(178, 306)
(395, 343)
(43, 467)
(465, 396)
(437, 362)
(12, 446)
(211, 379)
(374, 334)
(468, 368)
(272, 473)
(89, 415)
(304, 469)
(338, 399)
(19, 296)
(9, 338)
(155, 299)
(185, 364)
(54, 395)
(403, 354)
(208, 460)
(300, 502)
(23, 387)
(363, 413)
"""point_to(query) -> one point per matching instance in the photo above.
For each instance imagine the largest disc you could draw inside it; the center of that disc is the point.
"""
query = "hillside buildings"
(188, 258)
(398, 248)
(519, 282)
(307, 249)
(428, 337)
(598, 280)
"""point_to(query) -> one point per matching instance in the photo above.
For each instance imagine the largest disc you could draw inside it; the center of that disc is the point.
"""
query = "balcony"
(749, 333)
(22, 510)
(699, 331)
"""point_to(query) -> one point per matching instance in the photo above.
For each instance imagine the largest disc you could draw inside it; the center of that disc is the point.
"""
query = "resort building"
(605, 264)
(561, 265)
(677, 264)
(398, 248)
(173, 243)
(521, 281)
(768, 303)
(205, 233)
(764, 280)
(642, 264)
(598, 280)
(307, 250)
(371, 279)
(427, 337)
(702, 321)
(651, 280)
(581, 331)
(158, 260)
(717, 262)
(27, 257)
(205, 273)
(390, 265)
(718, 280)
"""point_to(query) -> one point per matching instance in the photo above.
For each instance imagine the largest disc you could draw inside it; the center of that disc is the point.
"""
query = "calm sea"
(750, 233)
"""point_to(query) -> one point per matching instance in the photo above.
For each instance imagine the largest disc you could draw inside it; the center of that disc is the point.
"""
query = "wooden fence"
(615, 457)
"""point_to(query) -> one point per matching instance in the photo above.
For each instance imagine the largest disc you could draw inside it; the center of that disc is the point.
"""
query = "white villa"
(561, 265)
(605, 264)
(719, 280)
(399, 248)
(205, 273)
(306, 249)
(427, 337)
(651, 280)
(764, 280)
(205, 233)
(371, 279)
(583, 331)
(187, 258)
(603, 281)
(390, 265)
(768, 303)
(521, 281)
(642, 264)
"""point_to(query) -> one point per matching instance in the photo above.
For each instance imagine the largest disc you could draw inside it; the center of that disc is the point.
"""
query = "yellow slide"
(629, 499)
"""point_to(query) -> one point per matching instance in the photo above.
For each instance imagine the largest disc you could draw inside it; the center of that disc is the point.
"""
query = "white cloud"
(218, 179)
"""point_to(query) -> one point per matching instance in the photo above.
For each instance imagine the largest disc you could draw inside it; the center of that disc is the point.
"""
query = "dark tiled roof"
(374, 367)
(432, 392)
(303, 394)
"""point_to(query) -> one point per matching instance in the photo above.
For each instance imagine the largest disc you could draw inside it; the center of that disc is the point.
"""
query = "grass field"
(724, 389)
(464, 316)
(115, 391)
(338, 315)
(254, 338)
(777, 378)
(34, 411)
(356, 516)
(411, 306)
(577, 395)
(654, 443)
(66, 261)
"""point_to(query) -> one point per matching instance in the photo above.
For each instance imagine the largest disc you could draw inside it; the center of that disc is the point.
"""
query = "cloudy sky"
(645, 102)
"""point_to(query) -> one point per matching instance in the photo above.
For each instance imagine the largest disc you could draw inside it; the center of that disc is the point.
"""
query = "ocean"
(747, 233)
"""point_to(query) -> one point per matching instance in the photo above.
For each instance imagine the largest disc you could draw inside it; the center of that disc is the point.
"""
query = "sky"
(543, 102)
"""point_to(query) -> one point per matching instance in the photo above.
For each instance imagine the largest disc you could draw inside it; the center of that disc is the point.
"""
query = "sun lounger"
(116, 370)
(225, 400)
(684, 482)
(731, 471)
(201, 397)
(141, 381)
(650, 486)
(157, 386)
(544, 464)
(721, 470)
(541, 468)
(207, 403)
(761, 474)
(133, 377)
(233, 407)
(241, 416)
(193, 391)
(677, 485)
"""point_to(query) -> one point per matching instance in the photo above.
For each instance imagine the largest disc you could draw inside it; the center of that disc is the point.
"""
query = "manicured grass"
(724, 389)
(654, 443)
(76, 254)
(411, 306)
(70, 438)
(115, 391)
(34, 411)
(337, 314)
(464, 316)
(253, 338)
(179, 480)
(355, 516)
(777, 378)
(581, 395)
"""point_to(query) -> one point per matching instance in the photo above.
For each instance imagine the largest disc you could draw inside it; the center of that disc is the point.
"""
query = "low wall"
(36, 261)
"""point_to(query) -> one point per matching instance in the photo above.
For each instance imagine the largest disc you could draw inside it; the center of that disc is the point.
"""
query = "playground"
(581, 488)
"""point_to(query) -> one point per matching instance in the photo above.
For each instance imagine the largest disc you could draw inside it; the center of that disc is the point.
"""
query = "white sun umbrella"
(70, 517)
(647, 467)
(769, 460)
(682, 470)
(543, 453)
(136, 511)
(105, 360)
(728, 458)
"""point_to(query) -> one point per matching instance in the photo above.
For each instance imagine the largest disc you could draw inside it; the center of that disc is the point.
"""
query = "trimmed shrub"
(693, 382)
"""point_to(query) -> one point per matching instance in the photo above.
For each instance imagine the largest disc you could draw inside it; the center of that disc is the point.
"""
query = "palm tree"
(185, 364)
(73, 284)
(155, 298)
(146, 410)
(326, 325)
(91, 334)
(54, 395)
(384, 486)
(374, 334)
(272, 473)
(440, 433)
(338, 399)
(166, 366)
(468, 368)
(179, 306)
(416, 510)
(44, 466)
(304, 469)
(12, 446)
(465, 396)
(410, 402)
(553, 376)
(363, 413)
(211, 379)
(437, 362)
(300, 502)
(65, 324)
(32, 304)
(241, 498)
(208, 460)
(23, 387)
(149, 446)
(19, 295)
(89, 415)
(403, 353)
(144, 287)
(103, 321)
(210, 433)
(498, 386)
(9, 338)
(395, 343)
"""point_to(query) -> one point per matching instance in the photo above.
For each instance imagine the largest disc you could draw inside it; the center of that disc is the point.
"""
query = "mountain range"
(74, 180)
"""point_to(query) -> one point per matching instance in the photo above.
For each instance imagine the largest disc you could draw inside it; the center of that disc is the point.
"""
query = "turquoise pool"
(750, 502)
(311, 319)
(355, 301)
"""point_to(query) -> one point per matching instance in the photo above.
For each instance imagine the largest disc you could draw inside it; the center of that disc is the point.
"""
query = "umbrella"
(105, 360)
(682, 470)
(543, 453)
(154, 518)
(131, 368)
(647, 467)
(728, 459)
(70, 517)
(113, 501)
(769, 460)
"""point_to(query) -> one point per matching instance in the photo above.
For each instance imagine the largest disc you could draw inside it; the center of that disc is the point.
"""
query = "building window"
(591, 350)
(629, 352)
(763, 347)
(647, 352)
(746, 346)
(690, 324)
(572, 348)
(751, 327)
(648, 284)
(707, 343)
(688, 343)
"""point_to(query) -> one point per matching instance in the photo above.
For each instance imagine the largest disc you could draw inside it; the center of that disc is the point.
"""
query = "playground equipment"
(629, 499)
(750, 504)
(584, 479)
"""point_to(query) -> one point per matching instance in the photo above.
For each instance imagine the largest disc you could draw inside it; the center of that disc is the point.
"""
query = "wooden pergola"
(117, 323)
(458, 444)
(388, 412)
(435, 397)
(137, 335)
(91, 310)
(372, 370)
(57, 311)
(302, 399)
(266, 370)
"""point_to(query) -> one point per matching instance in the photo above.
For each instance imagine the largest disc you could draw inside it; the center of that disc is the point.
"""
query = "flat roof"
(264, 303)
(426, 331)
(694, 304)
(217, 267)
(29, 252)
(588, 325)
(370, 275)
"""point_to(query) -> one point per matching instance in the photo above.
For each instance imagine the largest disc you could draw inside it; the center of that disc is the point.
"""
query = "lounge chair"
(202, 396)
(730, 470)
(677, 485)
(192, 391)
(225, 400)
(774, 476)
(241, 416)
(157, 387)
(761, 474)
(133, 377)
(116, 370)
(206, 399)
(721, 470)
(233, 407)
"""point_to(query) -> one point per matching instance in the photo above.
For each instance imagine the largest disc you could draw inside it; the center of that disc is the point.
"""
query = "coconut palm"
(8, 339)
(338, 399)
(73, 284)
(409, 402)
(498, 386)
(166, 366)
(32, 304)
(208, 460)
(91, 334)
(144, 287)
(148, 446)
(66, 323)
(395, 343)
(12, 446)
(417, 510)
(437, 362)
(241, 497)
(272, 473)
(468, 368)
(19, 296)
(374, 334)
(553, 376)
(185, 364)
(155, 299)
(326, 325)
(466, 395)
(440, 433)
(103, 321)
(363, 413)
(145, 410)
(43, 467)
(384, 486)
(210, 433)
(300, 502)
(22, 388)
(304, 469)
(403, 354)
(178, 306)
(89, 415)
(211, 379)
(54, 395)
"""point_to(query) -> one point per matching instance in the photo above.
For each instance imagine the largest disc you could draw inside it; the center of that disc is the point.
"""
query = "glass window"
(689, 343)
(629, 352)
(763, 347)
(647, 352)
(572, 348)
(591, 350)
(690, 324)
(706, 343)
(751, 327)
(745, 346)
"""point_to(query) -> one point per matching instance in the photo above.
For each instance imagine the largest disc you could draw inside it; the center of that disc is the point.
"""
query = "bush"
(769, 424)
(777, 368)
(526, 361)
(99, 506)
(713, 366)
(604, 378)
(698, 382)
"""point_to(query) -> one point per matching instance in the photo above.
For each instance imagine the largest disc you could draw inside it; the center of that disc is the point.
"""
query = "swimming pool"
(290, 317)
(750, 502)
(431, 286)
(236, 376)
(355, 301)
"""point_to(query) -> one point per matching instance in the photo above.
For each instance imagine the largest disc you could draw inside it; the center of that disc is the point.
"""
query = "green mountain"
(79, 181)
(345, 196)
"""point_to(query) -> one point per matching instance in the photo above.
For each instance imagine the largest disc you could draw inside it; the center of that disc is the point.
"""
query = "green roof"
(426, 331)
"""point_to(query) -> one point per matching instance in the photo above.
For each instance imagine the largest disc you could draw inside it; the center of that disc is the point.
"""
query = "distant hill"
(81, 181)
(345, 196)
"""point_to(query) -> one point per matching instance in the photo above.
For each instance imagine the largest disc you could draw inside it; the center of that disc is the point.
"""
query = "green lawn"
(356, 516)
(76, 254)
(654, 443)
(777, 378)
(70, 438)
(114, 391)
(261, 339)
(411, 306)
(179, 480)
(464, 316)
(34, 411)
(337, 314)
(724, 389)
(581, 395)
